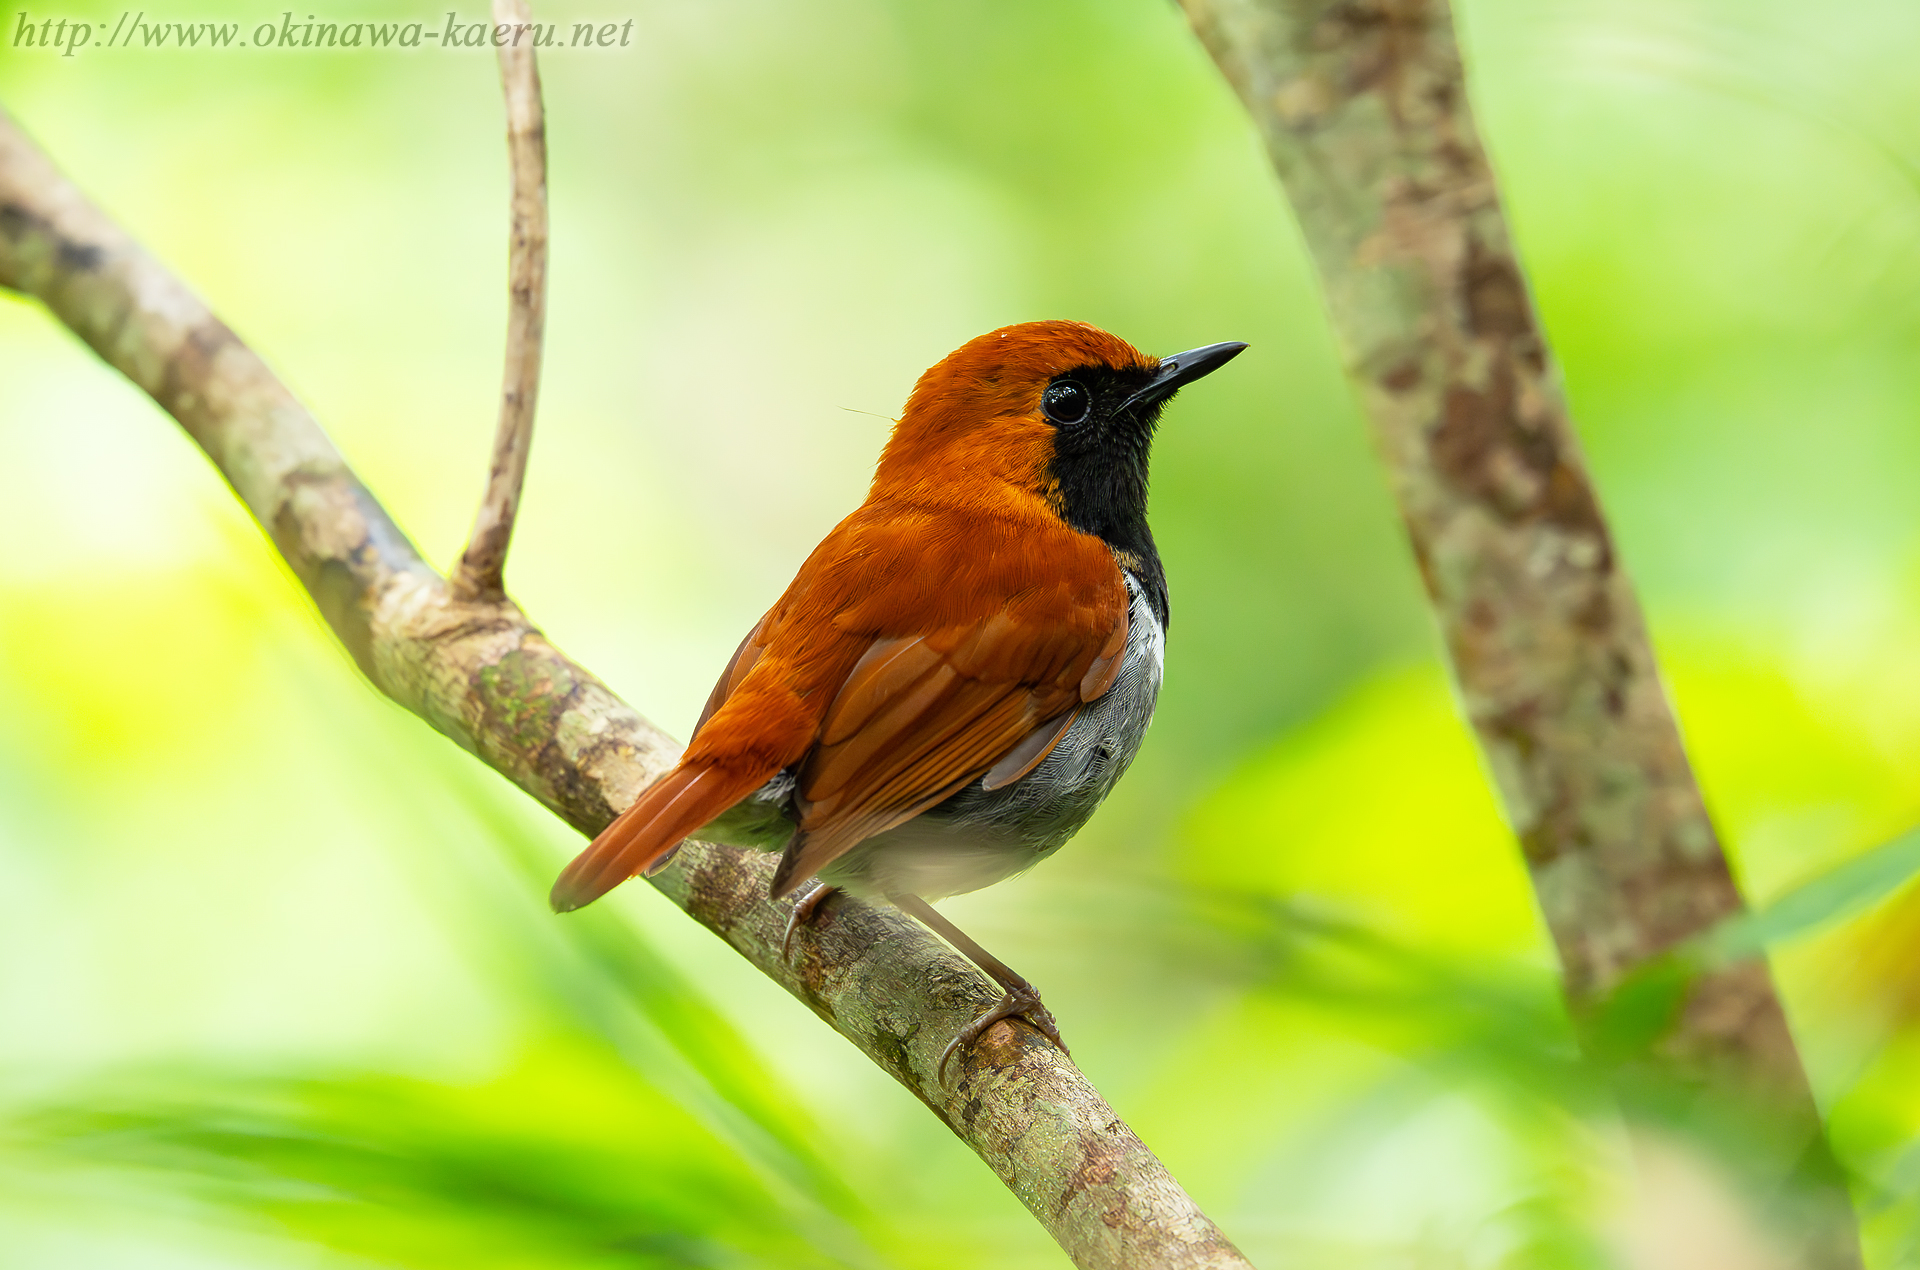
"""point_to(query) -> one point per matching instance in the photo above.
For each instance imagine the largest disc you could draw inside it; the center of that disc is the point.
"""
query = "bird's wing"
(919, 718)
(911, 654)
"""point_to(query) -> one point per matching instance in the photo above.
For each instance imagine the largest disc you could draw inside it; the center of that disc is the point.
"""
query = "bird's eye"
(1066, 402)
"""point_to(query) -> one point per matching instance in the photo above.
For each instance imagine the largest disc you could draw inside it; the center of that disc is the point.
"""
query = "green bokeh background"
(276, 983)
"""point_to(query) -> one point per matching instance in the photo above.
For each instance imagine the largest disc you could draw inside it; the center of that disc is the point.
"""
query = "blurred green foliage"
(276, 984)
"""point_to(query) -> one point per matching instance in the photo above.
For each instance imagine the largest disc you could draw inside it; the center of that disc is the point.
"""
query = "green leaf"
(1855, 885)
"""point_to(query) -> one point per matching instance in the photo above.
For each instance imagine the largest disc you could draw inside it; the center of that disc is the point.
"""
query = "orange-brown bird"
(963, 669)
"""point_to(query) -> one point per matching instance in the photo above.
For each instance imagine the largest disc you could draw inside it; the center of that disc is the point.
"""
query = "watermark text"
(67, 37)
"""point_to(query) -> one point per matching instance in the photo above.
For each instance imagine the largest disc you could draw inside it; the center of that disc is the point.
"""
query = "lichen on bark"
(1364, 110)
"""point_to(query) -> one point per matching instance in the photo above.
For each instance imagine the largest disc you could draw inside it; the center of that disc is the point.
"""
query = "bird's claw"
(802, 914)
(1026, 1005)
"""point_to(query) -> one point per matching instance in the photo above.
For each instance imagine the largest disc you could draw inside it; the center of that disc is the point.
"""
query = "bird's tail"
(664, 814)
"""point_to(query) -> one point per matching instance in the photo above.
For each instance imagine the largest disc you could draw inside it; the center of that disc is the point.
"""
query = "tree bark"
(1364, 111)
(475, 668)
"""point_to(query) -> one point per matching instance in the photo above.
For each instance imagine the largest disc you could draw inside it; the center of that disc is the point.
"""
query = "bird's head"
(1059, 410)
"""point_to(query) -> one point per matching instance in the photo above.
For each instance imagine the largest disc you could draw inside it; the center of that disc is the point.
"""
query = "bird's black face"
(1100, 446)
(1103, 420)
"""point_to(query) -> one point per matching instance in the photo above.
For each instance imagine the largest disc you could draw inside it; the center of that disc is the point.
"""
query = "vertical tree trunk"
(1363, 107)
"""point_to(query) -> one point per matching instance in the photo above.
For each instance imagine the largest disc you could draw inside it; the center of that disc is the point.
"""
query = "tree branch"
(480, 568)
(1364, 110)
(475, 668)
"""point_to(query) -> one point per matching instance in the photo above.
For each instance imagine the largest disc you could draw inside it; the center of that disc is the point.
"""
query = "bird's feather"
(880, 722)
(918, 719)
(670, 809)
(737, 667)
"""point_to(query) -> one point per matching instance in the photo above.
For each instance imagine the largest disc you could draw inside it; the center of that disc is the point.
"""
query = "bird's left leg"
(1021, 998)
(802, 914)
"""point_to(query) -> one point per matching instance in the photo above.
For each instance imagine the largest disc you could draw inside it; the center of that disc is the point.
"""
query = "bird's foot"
(802, 915)
(1022, 1001)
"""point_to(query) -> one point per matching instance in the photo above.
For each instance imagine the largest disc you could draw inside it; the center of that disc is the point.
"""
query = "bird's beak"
(1181, 369)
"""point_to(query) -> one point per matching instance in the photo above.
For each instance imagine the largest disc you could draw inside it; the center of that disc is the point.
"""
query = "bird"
(962, 669)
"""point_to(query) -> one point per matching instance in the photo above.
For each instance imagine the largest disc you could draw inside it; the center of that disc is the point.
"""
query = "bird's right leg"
(1020, 998)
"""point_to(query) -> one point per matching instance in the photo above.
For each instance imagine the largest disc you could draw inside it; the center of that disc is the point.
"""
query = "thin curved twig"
(475, 668)
(480, 568)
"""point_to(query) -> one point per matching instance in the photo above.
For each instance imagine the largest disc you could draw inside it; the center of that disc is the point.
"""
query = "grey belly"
(978, 836)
